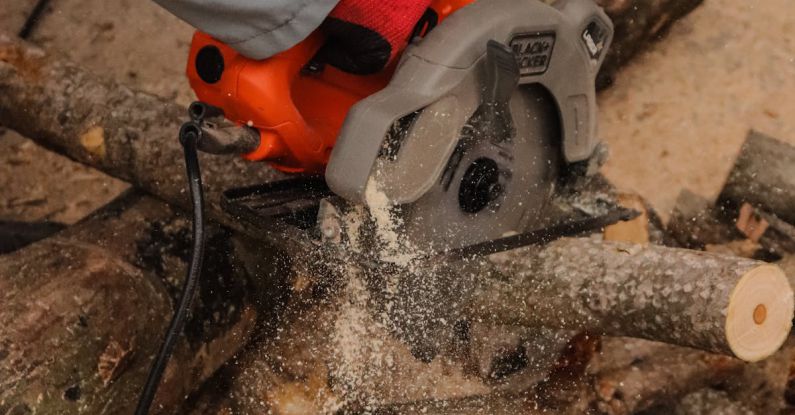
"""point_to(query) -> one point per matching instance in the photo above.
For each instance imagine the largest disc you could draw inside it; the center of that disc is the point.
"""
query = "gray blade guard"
(560, 47)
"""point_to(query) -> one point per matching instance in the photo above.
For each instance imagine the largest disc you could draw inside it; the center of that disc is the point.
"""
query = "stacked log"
(747, 220)
(83, 313)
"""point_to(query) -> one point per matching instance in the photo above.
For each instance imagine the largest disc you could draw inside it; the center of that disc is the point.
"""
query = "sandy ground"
(37, 185)
(677, 116)
(135, 42)
(131, 41)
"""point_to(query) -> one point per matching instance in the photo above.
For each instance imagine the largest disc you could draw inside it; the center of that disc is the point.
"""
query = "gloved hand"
(364, 36)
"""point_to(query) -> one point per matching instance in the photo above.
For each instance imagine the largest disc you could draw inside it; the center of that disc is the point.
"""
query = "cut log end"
(759, 315)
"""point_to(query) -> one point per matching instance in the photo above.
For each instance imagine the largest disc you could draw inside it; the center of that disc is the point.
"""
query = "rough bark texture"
(764, 176)
(127, 134)
(671, 295)
(83, 313)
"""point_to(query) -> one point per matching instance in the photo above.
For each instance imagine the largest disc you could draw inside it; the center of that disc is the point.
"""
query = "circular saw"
(455, 149)
(461, 141)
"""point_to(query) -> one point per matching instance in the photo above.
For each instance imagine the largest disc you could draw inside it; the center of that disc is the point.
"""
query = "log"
(763, 176)
(750, 205)
(689, 298)
(772, 233)
(635, 375)
(695, 222)
(127, 134)
(698, 224)
(83, 313)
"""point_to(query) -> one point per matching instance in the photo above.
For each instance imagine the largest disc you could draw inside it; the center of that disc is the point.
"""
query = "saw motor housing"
(297, 108)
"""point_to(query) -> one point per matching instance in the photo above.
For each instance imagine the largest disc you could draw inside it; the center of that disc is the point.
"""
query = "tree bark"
(682, 297)
(763, 176)
(127, 134)
(83, 314)
(634, 375)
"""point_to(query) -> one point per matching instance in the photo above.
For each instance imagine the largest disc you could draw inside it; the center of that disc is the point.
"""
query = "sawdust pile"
(372, 363)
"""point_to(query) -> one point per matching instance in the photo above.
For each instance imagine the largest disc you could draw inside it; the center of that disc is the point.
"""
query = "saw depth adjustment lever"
(502, 77)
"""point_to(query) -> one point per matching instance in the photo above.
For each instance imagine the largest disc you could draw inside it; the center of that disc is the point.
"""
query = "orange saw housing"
(297, 112)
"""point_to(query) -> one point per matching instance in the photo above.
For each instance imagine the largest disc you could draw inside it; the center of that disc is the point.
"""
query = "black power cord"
(189, 136)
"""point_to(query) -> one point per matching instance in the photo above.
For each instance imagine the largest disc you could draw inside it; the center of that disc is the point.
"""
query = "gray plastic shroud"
(447, 68)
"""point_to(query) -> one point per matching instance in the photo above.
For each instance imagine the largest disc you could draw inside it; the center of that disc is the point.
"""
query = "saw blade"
(498, 179)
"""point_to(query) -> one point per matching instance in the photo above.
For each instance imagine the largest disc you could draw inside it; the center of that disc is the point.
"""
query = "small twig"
(33, 19)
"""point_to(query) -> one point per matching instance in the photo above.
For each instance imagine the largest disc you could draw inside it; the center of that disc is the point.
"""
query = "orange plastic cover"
(298, 114)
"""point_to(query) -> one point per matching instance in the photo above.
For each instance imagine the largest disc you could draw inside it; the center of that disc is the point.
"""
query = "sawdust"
(371, 368)
(307, 396)
(396, 248)
(354, 220)
(359, 353)
(373, 364)
(39, 185)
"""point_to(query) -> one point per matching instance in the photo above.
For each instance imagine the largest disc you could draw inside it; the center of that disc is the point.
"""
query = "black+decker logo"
(533, 52)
